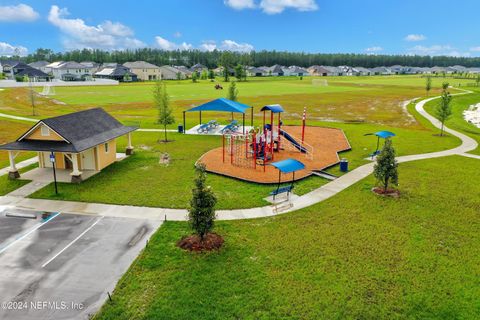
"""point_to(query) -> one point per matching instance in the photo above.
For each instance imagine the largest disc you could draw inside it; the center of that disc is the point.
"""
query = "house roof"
(67, 65)
(140, 65)
(80, 130)
(276, 69)
(115, 71)
(39, 64)
(26, 70)
(221, 104)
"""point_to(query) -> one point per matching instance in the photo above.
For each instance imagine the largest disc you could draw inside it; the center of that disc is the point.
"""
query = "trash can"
(344, 165)
(180, 128)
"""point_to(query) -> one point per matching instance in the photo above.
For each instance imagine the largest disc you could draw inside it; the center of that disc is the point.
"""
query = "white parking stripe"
(73, 241)
(29, 232)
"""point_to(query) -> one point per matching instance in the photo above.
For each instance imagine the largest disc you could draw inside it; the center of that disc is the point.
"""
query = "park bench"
(203, 128)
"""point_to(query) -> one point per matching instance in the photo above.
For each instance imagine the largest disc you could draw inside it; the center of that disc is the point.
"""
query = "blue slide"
(293, 141)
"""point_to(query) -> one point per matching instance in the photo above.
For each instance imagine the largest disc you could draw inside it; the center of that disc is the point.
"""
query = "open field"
(355, 256)
(372, 99)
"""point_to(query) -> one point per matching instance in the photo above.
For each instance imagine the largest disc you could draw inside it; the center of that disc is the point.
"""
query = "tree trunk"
(165, 131)
(441, 130)
(386, 185)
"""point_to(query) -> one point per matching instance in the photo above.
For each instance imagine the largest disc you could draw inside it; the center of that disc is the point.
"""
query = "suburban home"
(116, 72)
(295, 71)
(19, 70)
(90, 64)
(172, 73)
(198, 68)
(219, 71)
(41, 65)
(80, 142)
(275, 70)
(70, 71)
(361, 71)
(145, 71)
(185, 70)
(381, 71)
(318, 71)
(255, 72)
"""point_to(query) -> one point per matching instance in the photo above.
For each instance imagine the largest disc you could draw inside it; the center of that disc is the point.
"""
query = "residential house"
(334, 71)
(145, 71)
(295, 71)
(347, 71)
(172, 73)
(90, 64)
(116, 72)
(361, 71)
(80, 142)
(275, 70)
(41, 65)
(318, 71)
(70, 71)
(19, 70)
(185, 70)
(381, 71)
(256, 72)
(198, 68)
(219, 71)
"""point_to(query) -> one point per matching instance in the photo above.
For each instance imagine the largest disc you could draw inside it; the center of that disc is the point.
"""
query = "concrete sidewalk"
(328, 190)
(20, 165)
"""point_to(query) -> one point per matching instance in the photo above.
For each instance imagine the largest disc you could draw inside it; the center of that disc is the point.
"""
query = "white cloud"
(7, 49)
(165, 44)
(437, 50)
(21, 12)
(240, 4)
(278, 6)
(273, 6)
(374, 49)
(475, 49)
(177, 34)
(209, 45)
(415, 37)
(107, 35)
(231, 45)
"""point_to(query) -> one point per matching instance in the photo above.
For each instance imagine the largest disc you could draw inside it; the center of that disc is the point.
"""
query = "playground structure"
(213, 127)
(250, 155)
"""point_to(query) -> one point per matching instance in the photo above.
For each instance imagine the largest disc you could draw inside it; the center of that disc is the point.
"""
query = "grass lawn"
(141, 180)
(456, 121)
(371, 99)
(7, 185)
(354, 256)
(9, 131)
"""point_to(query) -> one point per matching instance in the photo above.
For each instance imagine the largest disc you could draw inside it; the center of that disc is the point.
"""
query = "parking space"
(62, 265)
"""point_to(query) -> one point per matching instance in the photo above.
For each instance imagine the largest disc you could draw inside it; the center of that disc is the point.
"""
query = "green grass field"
(354, 256)
(371, 99)
(456, 121)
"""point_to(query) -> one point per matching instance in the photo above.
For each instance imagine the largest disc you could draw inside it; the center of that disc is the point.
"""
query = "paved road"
(63, 268)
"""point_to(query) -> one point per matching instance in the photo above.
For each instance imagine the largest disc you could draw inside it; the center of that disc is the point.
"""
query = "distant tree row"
(213, 59)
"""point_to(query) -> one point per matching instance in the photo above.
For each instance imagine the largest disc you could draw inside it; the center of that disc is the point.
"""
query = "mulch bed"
(389, 193)
(211, 242)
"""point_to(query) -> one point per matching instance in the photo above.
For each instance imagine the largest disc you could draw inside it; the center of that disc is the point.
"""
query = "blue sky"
(437, 27)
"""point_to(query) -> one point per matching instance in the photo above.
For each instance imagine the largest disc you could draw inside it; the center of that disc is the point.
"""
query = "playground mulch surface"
(326, 143)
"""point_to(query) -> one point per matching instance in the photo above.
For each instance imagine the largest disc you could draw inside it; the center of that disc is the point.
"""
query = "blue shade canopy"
(288, 165)
(221, 104)
(384, 134)
(275, 108)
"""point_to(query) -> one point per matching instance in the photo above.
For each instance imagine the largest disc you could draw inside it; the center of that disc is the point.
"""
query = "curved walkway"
(328, 190)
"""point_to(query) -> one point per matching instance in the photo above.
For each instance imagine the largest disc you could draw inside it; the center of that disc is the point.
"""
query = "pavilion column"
(76, 174)
(129, 150)
(12, 171)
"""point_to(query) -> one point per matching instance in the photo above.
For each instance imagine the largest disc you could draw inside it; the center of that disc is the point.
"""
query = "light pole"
(52, 160)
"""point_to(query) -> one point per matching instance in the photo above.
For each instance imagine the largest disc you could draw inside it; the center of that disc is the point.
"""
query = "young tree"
(211, 74)
(204, 74)
(201, 214)
(194, 76)
(385, 170)
(162, 103)
(239, 72)
(477, 80)
(444, 110)
(226, 60)
(232, 91)
(445, 86)
(428, 84)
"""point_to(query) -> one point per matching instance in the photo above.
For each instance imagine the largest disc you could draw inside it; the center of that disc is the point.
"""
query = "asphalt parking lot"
(62, 265)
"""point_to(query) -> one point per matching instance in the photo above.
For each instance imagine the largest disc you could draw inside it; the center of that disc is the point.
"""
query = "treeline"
(256, 58)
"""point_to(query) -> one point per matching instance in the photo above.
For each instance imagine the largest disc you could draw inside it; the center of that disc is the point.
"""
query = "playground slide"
(293, 141)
